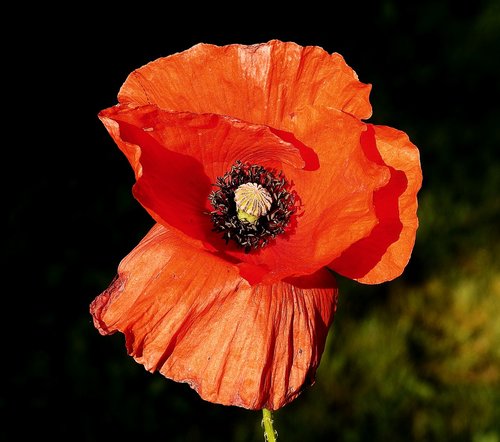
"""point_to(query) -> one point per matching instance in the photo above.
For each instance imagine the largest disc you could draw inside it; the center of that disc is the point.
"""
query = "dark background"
(417, 359)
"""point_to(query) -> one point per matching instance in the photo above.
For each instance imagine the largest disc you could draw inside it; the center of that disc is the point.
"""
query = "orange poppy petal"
(384, 254)
(337, 199)
(177, 156)
(192, 317)
(263, 83)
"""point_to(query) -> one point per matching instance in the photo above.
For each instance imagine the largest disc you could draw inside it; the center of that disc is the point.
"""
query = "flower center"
(252, 205)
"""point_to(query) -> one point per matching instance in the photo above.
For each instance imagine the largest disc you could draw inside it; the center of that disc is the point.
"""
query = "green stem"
(267, 421)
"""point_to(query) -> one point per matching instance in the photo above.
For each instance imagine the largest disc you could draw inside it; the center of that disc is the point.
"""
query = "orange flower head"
(262, 177)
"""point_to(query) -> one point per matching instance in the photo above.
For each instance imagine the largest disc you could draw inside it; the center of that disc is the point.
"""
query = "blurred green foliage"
(422, 364)
(416, 359)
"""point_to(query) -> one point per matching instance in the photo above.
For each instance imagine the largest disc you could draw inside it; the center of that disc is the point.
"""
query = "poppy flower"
(263, 178)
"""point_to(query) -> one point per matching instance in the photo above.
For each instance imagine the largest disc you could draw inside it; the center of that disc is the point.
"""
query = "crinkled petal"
(178, 156)
(337, 199)
(191, 316)
(384, 254)
(264, 83)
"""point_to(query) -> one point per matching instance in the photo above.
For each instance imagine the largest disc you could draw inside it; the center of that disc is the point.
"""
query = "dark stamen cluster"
(224, 216)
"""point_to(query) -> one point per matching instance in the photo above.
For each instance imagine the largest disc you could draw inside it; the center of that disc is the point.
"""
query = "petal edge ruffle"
(262, 83)
(383, 255)
(194, 319)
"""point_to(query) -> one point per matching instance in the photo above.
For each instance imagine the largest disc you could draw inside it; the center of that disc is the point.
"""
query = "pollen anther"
(252, 206)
